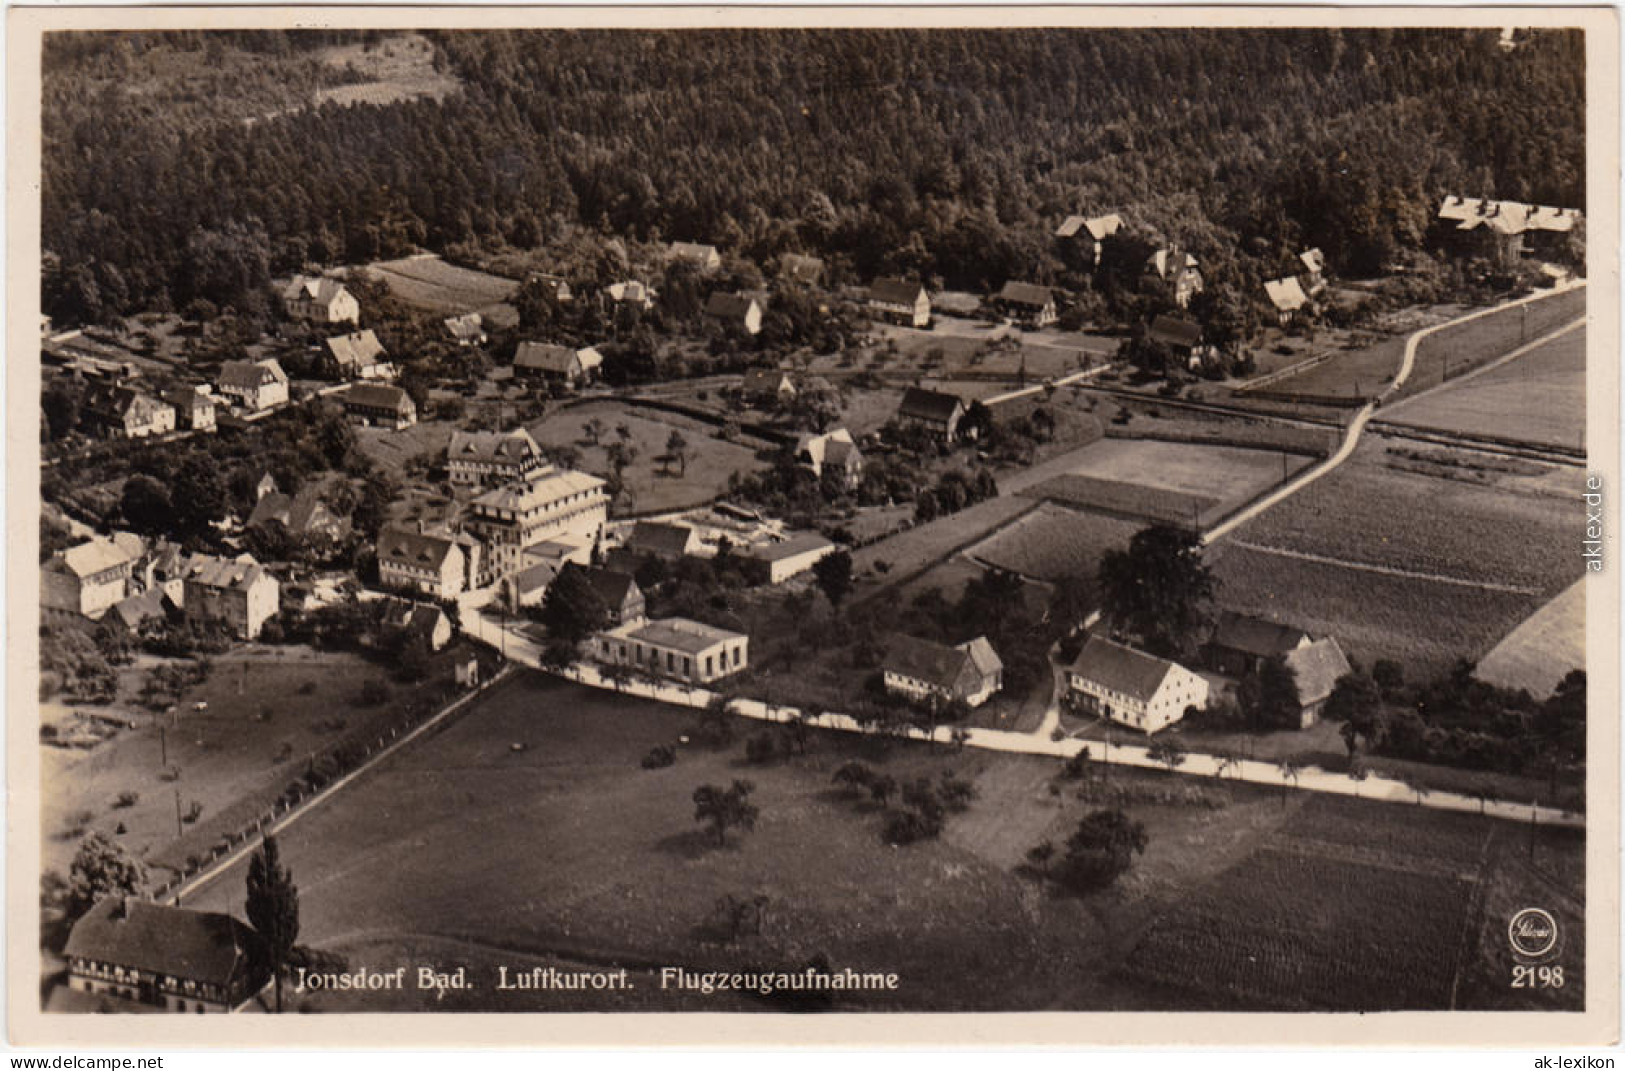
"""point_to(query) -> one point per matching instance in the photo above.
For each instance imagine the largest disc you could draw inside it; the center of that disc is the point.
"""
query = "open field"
(1360, 373)
(1537, 398)
(1539, 652)
(654, 486)
(269, 709)
(405, 866)
(909, 552)
(1435, 883)
(1053, 542)
(430, 283)
(1453, 351)
(392, 450)
(396, 68)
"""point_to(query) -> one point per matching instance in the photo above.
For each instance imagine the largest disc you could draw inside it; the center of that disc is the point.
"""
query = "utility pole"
(177, 812)
(163, 748)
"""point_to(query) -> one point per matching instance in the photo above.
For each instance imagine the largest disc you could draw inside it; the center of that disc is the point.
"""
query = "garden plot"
(1053, 542)
(430, 283)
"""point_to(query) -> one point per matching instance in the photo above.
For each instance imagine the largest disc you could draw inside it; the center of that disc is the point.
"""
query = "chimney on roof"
(121, 910)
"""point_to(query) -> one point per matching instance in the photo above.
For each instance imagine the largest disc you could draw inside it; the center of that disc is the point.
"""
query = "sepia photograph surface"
(864, 513)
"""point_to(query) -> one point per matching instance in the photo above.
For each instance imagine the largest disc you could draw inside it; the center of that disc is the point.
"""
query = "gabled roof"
(1172, 331)
(301, 513)
(938, 664)
(321, 290)
(834, 447)
(358, 349)
(492, 446)
(613, 588)
(189, 398)
(694, 251)
(929, 405)
(125, 403)
(1286, 294)
(1313, 260)
(224, 574)
(730, 306)
(1099, 227)
(249, 375)
(418, 618)
(1121, 669)
(378, 396)
(201, 946)
(896, 291)
(549, 357)
(1507, 217)
(1168, 260)
(1026, 294)
(466, 328)
(654, 537)
(138, 609)
(95, 556)
(1317, 666)
(767, 381)
(1256, 636)
(417, 549)
(631, 290)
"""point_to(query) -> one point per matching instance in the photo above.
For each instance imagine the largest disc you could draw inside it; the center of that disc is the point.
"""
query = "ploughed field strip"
(432, 283)
(1130, 501)
(1053, 542)
(1387, 570)
(1329, 915)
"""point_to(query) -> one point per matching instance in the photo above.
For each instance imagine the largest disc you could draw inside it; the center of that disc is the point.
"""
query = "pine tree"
(273, 908)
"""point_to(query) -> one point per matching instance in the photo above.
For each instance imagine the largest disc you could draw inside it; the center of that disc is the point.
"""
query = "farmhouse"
(675, 647)
(1179, 271)
(735, 310)
(320, 300)
(125, 413)
(194, 407)
(358, 355)
(416, 622)
(1240, 643)
(704, 257)
(901, 301)
(172, 958)
(795, 554)
(492, 458)
(1090, 235)
(1182, 337)
(807, 271)
(1507, 226)
(554, 285)
(433, 564)
(239, 594)
(527, 585)
(87, 579)
(969, 673)
(668, 542)
(1316, 667)
(938, 413)
(1131, 687)
(544, 506)
(466, 330)
(556, 364)
(1288, 298)
(767, 385)
(253, 386)
(132, 613)
(1029, 305)
(378, 405)
(832, 452)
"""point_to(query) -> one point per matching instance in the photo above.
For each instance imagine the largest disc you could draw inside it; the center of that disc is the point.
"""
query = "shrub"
(761, 749)
(659, 757)
(907, 827)
(126, 798)
(373, 693)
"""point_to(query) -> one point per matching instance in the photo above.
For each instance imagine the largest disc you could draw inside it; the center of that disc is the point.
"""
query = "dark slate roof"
(418, 618)
(1255, 636)
(653, 537)
(767, 381)
(250, 374)
(729, 306)
(1174, 331)
(936, 663)
(1122, 669)
(612, 587)
(793, 545)
(378, 396)
(138, 609)
(930, 405)
(545, 357)
(202, 946)
(1016, 293)
(1317, 667)
(896, 291)
(492, 446)
(358, 349)
(803, 269)
(413, 548)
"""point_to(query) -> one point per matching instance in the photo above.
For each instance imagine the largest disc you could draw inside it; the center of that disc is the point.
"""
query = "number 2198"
(1537, 978)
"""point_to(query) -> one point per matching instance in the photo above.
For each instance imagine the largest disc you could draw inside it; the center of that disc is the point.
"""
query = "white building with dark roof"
(86, 580)
(320, 300)
(782, 559)
(969, 672)
(358, 355)
(1131, 687)
(238, 593)
(253, 386)
(418, 561)
(546, 507)
(901, 301)
(492, 458)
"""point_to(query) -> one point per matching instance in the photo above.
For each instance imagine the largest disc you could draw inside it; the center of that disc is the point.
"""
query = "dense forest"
(950, 154)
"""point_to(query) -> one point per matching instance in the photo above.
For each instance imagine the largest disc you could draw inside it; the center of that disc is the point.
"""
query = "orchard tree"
(724, 809)
(100, 869)
(1101, 850)
(833, 572)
